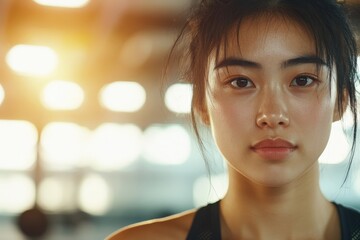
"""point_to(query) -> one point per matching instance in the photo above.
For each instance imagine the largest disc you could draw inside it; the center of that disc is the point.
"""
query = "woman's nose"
(273, 110)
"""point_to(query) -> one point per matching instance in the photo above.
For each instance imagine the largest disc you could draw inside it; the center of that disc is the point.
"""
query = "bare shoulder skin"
(172, 227)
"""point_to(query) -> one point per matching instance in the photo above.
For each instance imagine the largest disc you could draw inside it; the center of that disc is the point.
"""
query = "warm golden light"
(63, 3)
(138, 43)
(95, 195)
(62, 95)
(114, 146)
(167, 144)
(63, 145)
(123, 96)
(2, 94)
(18, 141)
(32, 60)
(178, 98)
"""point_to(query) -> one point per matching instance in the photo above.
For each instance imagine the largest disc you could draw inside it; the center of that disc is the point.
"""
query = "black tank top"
(206, 223)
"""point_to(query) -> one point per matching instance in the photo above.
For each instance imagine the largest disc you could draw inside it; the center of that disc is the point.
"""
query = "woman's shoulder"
(172, 227)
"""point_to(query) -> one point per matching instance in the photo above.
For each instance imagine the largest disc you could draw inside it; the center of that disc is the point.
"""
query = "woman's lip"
(274, 149)
(273, 143)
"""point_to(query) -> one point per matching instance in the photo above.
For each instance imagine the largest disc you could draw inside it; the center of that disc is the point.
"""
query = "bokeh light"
(63, 3)
(95, 196)
(166, 144)
(123, 96)
(32, 60)
(63, 145)
(57, 194)
(62, 95)
(17, 193)
(114, 146)
(178, 98)
(18, 141)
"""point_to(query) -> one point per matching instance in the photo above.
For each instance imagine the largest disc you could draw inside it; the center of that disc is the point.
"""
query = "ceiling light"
(32, 60)
(178, 98)
(62, 95)
(123, 96)
(63, 3)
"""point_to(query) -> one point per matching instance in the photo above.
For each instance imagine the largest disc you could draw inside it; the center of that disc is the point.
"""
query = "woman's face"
(269, 101)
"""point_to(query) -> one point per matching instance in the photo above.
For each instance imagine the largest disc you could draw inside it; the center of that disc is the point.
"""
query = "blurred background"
(91, 137)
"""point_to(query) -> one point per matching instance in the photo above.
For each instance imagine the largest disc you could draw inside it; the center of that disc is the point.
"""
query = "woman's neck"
(297, 210)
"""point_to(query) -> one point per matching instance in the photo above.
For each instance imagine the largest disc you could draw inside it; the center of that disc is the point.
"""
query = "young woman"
(269, 78)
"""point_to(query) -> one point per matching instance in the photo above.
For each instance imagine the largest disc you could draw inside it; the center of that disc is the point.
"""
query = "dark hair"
(212, 20)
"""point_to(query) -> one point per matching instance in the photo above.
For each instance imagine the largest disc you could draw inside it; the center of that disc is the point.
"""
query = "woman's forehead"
(259, 28)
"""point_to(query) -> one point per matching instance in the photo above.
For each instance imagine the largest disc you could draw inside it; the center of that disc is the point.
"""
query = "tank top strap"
(349, 221)
(206, 223)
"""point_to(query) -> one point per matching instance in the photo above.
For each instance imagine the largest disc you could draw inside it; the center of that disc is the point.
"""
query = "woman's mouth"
(273, 149)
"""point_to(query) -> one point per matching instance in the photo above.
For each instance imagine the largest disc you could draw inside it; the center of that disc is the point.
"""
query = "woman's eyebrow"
(306, 59)
(236, 62)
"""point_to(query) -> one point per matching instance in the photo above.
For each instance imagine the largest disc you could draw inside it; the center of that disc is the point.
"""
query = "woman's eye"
(241, 83)
(302, 81)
